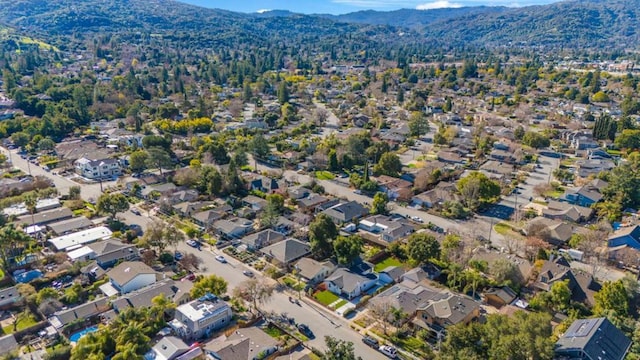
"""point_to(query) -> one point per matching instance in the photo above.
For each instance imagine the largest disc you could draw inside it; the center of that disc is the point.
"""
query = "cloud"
(376, 3)
(438, 5)
(262, 11)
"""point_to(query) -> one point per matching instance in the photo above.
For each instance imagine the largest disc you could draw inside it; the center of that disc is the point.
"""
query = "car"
(135, 211)
(193, 243)
(389, 351)
(191, 277)
(248, 273)
(371, 342)
(358, 192)
(178, 255)
(417, 219)
(221, 259)
(304, 330)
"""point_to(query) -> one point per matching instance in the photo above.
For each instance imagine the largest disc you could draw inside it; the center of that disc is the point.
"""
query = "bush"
(165, 258)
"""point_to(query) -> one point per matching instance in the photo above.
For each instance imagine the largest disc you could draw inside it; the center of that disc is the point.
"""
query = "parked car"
(371, 342)
(136, 211)
(389, 351)
(178, 255)
(193, 243)
(248, 273)
(417, 219)
(304, 330)
(221, 259)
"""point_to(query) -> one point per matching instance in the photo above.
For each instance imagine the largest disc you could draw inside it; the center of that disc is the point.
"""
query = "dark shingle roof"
(597, 338)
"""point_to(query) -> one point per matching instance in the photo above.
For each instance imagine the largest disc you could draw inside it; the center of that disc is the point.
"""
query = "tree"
(112, 204)
(421, 247)
(612, 297)
(322, 231)
(208, 284)
(283, 93)
(389, 164)
(12, 241)
(74, 193)
(628, 139)
(30, 202)
(503, 270)
(273, 210)
(255, 292)
(160, 235)
(259, 147)
(333, 161)
(158, 159)
(347, 248)
(477, 189)
(45, 294)
(382, 310)
(418, 124)
(190, 262)
(338, 350)
(379, 205)
(138, 161)
(535, 140)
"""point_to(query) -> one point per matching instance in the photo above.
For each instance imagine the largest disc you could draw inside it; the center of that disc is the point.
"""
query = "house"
(8, 344)
(503, 156)
(444, 191)
(499, 296)
(158, 191)
(284, 226)
(312, 271)
(523, 266)
(81, 312)
(109, 252)
(9, 296)
(188, 208)
(498, 169)
(242, 344)
(555, 232)
(587, 168)
(588, 194)
(70, 225)
(46, 217)
(233, 228)
(285, 252)
(298, 192)
(96, 169)
(309, 203)
(64, 242)
(346, 212)
(391, 274)
(254, 202)
(180, 196)
(449, 157)
(560, 210)
(396, 189)
(420, 274)
(265, 185)
(261, 239)
(389, 229)
(629, 236)
(592, 339)
(175, 291)
(200, 318)
(129, 276)
(344, 282)
(582, 285)
(446, 309)
(172, 348)
(205, 219)
(406, 296)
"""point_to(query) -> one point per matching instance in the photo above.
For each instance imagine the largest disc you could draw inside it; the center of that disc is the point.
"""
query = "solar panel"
(582, 328)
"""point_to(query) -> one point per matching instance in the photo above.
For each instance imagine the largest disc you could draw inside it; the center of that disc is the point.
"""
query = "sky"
(346, 6)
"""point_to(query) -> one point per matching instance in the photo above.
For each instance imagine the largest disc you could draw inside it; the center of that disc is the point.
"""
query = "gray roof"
(263, 237)
(110, 250)
(504, 293)
(143, 297)
(309, 268)
(8, 343)
(82, 311)
(170, 347)
(312, 200)
(406, 298)
(394, 272)
(346, 212)
(46, 217)
(597, 338)
(70, 225)
(287, 250)
(230, 350)
(450, 308)
(128, 270)
(347, 280)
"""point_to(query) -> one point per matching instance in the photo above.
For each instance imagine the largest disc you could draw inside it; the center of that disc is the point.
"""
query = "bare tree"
(254, 291)
(190, 262)
(383, 312)
(533, 245)
(592, 244)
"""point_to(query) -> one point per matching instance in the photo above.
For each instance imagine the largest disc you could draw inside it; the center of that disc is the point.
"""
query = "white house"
(344, 282)
(98, 169)
(130, 276)
(201, 317)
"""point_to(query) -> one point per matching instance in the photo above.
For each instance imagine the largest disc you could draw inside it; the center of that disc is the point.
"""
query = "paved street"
(320, 322)
(87, 191)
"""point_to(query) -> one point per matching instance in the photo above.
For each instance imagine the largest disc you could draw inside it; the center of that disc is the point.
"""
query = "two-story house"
(201, 318)
(129, 276)
(98, 169)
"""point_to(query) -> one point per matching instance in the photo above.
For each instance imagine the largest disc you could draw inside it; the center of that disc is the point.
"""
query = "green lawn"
(292, 283)
(23, 323)
(554, 194)
(340, 304)
(502, 228)
(324, 175)
(326, 297)
(1, 274)
(273, 331)
(390, 261)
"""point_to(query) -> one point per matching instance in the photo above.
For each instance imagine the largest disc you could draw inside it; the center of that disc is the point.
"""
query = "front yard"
(326, 297)
(324, 175)
(390, 261)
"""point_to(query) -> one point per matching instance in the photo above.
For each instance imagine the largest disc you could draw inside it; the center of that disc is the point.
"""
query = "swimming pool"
(76, 336)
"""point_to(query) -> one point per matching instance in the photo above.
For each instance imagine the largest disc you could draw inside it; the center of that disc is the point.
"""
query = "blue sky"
(345, 6)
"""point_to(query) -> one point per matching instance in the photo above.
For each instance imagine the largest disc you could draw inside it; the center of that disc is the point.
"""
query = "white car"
(221, 259)
(389, 351)
(417, 219)
(192, 243)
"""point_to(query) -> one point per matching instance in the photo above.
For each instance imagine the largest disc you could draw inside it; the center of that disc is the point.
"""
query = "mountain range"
(577, 24)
